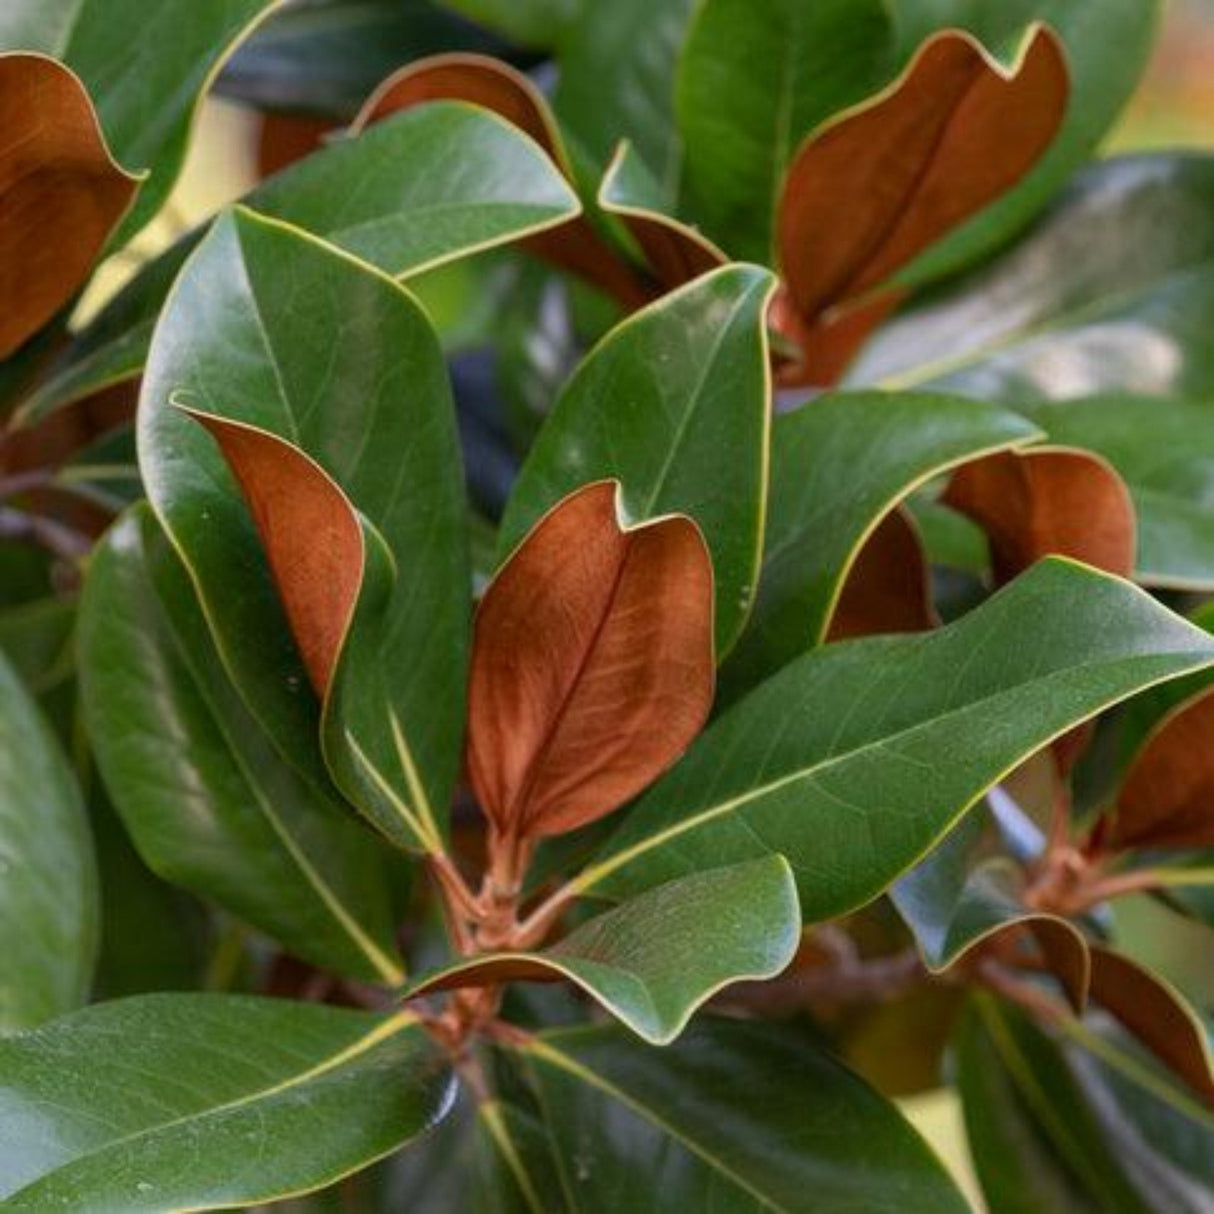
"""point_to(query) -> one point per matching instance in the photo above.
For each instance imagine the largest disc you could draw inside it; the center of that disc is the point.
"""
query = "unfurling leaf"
(592, 664)
(311, 534)
(1051, 501)
(1167, 798)
(877, 186)
(503, 90)
(888, 587)
(1157, 1015)
(61, 192)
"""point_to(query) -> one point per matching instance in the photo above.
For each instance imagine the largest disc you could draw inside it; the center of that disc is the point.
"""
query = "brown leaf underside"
(592, 666)
(61, 193)
(310, 533)
(871, 190)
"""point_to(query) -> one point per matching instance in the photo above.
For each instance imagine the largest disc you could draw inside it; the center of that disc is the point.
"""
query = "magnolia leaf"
(208, 802)
(888, 585)
(48, 895)
(592, 665)
(287, 388)
(834, 762)
(61, 191)
(839, 465)
(1055, 317)
(654, 960)
(1047, 500)
(1156, 1014)
(740, 126)
(1167, 797)
(674, 403)
(927, 140)
(969, 893)
(734, 1116)
(154, 1102)
(675, 252)
(416, 208)
(1164, 450)
(530, 23)
(496, 86)
(145, 67)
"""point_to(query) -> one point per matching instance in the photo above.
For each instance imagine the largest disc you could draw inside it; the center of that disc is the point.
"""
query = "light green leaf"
(48, 880)
(652, 961)
(273, 329)
(674, 403)
(839, 464)
(207, 799)
(736, 1116)
(175, 1102)
(835, 762)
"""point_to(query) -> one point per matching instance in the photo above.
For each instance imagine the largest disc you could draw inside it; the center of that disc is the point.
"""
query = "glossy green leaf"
(741, 126)
(1107, 43)
(173, 1102)
(835, 761)
(615, 85)
(346, 367)
(1055, 317)
(734, 1117)
(530, 23)
(208, 801)
(145, 67)
(416, 207)
(326, 56)
(839, 464)
(1164, 450)
(36, 637)
(48, 881)
(674, 403)
(652, 961)
(1082, 1121)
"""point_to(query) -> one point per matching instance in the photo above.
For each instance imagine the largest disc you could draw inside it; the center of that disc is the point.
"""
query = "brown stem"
(1034, 1000)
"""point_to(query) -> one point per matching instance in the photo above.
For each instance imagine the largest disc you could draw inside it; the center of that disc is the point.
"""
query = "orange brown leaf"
(61, 192)
(873, 188)
(592, 666)
(310, 532)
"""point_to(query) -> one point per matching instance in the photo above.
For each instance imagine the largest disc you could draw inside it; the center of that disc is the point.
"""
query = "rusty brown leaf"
(310, 532)
(61, 192)
(592, 666)
(876, 186)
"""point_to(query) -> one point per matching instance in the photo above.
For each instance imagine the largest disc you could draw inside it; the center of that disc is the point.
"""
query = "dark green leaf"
(48, 882)
(166, 1102)
(531, 23)
(1056, 317)
(145, 67)
(839, 464)
(835, 761)
(208, 801)
(346, 366)
(674, 403)
(735, 1116)
(652, 961)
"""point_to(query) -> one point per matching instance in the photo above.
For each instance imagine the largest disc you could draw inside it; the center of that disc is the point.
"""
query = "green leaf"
(839, 464)
(346, 367)
(1055, 317)
(208, 1101)
(741, 126)
(145, 67)
(736, 1116)
(209, 802)
(1078, 1122)
(36, 637)
(1164, 450)
(615, 85)
(48, 880)
(531, 23)
(835, 762)
(652, 961)
(326, 56)
(416, 207)
(674, 403)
